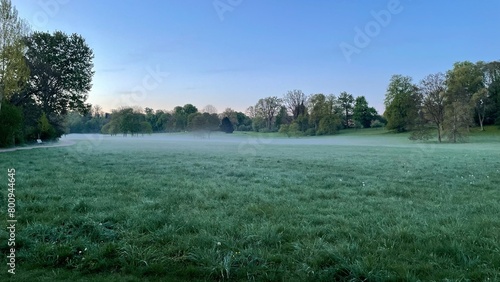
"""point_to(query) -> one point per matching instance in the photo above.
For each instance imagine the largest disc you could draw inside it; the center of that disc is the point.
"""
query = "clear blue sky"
(230, 53)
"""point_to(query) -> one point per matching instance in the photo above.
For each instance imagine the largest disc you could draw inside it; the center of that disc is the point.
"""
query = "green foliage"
(11, 125)
(14, 72)
(285, 129)
(258, 123)
(323, 116)
(226, 125)
(464, 81)
(329, 125)
(66, 59)
(75, 122)
(45, 129)
(204, 122)
(402, 103)
(346, 101)
(362, 113)
(457, 121)
(127, 121)
(282, 117)
(239, 120)
(267, 109)
(146, 128)
(291, 130)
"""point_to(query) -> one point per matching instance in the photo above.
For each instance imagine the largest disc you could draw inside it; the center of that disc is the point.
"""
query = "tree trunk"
(346, 118)
(481, 119)
(439, 132)
(1, 100)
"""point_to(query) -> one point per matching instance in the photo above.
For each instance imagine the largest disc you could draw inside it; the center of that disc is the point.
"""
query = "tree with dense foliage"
(317, 109)
(164, 121)
(127, 121)
(239, 120)
(463, 82)
(60, 75)
(491, 72)
(345, 102)
(282, 117)
(323, 114)
(181, 115)
(91, 122)
(11, 125)
(362, 113)
(47, 131)
(433, 89)
(402, 103)
(226, 125)
(267, 108)
(14, 71)
(204, 122)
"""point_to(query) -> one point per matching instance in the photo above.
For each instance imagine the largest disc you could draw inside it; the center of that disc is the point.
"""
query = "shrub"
(11, 125)
(310, 132)
(285, 129)
(226, 125)
(46, 130)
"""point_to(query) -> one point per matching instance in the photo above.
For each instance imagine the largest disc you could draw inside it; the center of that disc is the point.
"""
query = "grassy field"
(360, 206)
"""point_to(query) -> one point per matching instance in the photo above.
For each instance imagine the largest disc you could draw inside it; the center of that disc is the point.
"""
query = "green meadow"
(359, 206)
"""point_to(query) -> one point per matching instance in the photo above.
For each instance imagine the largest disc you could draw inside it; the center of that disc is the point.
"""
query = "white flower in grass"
(218, 243)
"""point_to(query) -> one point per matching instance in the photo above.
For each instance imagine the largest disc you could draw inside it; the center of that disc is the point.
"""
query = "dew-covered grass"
(359, 206)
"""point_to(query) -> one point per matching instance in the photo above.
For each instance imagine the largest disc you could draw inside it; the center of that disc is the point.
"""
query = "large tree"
(294, 102)
(61, 71)
(433, 89)
(60, 75)
(268, 108)
(464, 81)
(181, 116)
(14, 71)
(362, 113)
(346, 101)
(318, 109)
(204, 122)
(323, 114)
(402, 103)
(491, 72)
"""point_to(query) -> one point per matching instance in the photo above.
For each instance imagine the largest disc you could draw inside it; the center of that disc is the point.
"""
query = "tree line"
(135, 120)
(449, 104)
(296, 114)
